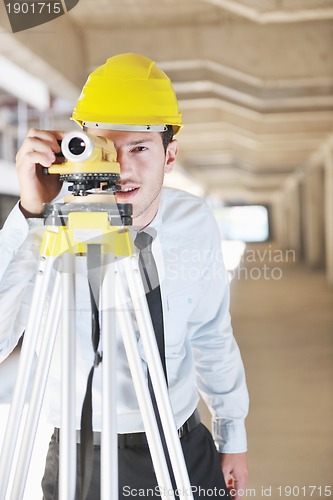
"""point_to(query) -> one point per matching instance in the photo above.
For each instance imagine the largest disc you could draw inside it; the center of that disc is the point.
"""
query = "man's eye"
(140, 148)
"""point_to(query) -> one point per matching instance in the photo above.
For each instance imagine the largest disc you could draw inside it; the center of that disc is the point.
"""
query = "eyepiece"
(77, 146)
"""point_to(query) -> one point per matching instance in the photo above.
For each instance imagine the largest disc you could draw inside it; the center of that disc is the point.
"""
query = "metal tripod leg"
(67, 449)
(24, 371)
(141, 389)
(37, 395)
(137, 293)
(109, 446)
(67, 475)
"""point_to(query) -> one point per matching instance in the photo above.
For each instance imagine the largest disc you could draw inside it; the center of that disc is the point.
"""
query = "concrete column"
(294, 217)
(288, 216)
(278, 220)
(328, 159)
(314, 225)
(287, 220)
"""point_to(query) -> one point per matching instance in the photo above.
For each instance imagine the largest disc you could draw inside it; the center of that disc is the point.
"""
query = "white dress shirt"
(201, 351)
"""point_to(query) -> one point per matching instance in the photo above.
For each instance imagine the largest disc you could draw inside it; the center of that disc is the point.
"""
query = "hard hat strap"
(126, 128)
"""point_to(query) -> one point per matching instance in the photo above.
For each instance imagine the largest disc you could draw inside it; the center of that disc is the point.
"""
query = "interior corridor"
(254, 84)
(284, 325)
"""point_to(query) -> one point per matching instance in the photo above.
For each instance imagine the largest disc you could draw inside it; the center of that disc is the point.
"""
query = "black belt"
(137, 438)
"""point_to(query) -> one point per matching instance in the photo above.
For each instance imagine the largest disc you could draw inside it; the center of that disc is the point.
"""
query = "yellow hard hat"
(129, 92)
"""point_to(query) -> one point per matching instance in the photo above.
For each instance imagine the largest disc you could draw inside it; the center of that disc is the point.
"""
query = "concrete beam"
(269, 16)
(208, 113)
(290, 100)
(53, 52)
(297, 51)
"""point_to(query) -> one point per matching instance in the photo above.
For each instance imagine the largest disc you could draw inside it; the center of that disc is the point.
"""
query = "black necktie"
(149, 275)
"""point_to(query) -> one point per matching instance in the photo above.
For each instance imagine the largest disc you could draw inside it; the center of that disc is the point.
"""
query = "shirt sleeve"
(219, 367)
(20, 240)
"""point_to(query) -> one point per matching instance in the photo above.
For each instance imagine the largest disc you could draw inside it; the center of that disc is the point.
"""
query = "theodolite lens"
(76, 146)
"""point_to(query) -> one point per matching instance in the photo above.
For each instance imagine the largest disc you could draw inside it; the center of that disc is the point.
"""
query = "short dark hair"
(167, 136)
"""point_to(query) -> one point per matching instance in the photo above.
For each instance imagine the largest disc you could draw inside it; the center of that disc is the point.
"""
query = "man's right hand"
(37, 151)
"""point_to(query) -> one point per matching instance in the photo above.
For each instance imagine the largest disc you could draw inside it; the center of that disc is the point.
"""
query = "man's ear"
(170, 156)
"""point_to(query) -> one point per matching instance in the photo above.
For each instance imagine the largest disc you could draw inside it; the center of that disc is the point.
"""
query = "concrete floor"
(284, 326)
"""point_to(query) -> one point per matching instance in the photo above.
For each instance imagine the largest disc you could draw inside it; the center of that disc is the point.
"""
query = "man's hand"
(37, 151)
(235, 471)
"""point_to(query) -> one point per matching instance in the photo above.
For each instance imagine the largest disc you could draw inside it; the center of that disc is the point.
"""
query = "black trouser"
(136, 473)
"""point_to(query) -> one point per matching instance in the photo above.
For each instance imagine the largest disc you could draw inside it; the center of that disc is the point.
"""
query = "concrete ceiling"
(254, 79)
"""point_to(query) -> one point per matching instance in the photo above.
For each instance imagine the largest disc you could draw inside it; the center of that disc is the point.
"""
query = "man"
(131, 101)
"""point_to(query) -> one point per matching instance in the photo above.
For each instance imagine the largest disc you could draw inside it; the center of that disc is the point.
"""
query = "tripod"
(73, 229)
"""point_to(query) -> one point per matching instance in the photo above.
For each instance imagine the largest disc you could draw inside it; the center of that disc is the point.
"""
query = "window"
(248, 223)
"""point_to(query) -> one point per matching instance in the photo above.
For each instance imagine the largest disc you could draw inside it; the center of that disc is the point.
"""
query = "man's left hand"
(235, 471)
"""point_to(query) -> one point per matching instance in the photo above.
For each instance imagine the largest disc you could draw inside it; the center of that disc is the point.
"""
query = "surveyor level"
(79, 229)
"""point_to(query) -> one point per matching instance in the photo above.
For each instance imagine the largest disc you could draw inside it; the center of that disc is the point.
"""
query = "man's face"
(143, 164)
